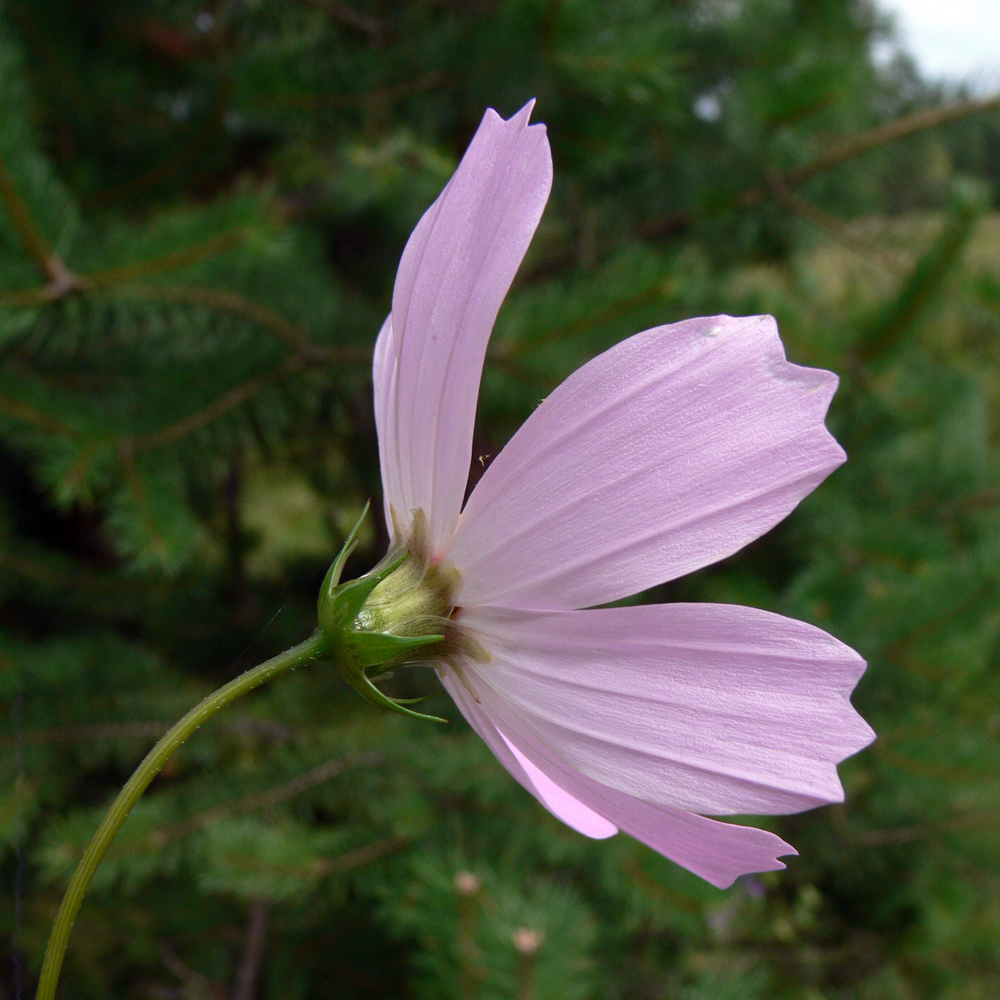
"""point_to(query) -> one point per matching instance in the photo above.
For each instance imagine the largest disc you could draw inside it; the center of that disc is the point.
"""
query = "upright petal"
(717, 852)
(705, 708)
(666, 453)
(455, 271)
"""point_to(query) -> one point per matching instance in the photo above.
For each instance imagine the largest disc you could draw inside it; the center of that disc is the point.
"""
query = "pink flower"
(668, 452)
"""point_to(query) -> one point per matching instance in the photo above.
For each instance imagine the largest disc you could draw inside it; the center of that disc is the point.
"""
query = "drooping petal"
(716, 851)
(558, 801)
(706, 708)
(454, 273)
(666, 453)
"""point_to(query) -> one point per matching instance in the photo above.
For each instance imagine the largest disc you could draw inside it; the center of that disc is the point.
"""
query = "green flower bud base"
(396, 615)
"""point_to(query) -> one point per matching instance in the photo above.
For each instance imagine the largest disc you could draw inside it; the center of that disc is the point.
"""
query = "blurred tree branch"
(837, 154)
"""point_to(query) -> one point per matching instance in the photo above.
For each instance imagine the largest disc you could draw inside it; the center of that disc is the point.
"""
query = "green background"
(201, 210)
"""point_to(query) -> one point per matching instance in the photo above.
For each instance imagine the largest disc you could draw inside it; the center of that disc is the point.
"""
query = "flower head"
(670, 451)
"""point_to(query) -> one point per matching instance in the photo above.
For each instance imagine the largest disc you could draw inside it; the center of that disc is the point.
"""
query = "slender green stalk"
(137, 784)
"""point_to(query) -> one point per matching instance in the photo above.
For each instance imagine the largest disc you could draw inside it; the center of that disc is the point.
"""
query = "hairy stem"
(139, 782)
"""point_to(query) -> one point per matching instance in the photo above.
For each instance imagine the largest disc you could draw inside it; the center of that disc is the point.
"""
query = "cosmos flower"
(670, 451)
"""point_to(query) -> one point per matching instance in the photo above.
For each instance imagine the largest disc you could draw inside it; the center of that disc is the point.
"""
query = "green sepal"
(332, 577)
(354, 650)
(371, 649)
(338, 603)
(370, 693)
(367, 650)
(340, 606)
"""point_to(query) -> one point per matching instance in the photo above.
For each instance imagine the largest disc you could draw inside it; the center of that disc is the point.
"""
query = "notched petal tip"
(713, 709)
(520, 117)
(701, 430)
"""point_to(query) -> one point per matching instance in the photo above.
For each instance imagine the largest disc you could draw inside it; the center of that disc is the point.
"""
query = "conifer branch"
(922, 831)
(229, 302)
(834, 228)
(309, 354)
(137, 488)
(235, 397)
(34, 243)
(361, 856)
(251, 803)
(174, 261)
(131, 730)
(304, 652)
(243, 393)
(28, 414)
(172, 167)
(837, 154)
(365, 23)
(61, 280)
(79, 468)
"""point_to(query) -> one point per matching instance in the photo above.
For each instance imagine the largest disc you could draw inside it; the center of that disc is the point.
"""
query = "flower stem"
(138, 783)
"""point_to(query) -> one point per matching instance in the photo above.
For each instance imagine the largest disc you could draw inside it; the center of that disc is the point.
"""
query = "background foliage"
(201, 210)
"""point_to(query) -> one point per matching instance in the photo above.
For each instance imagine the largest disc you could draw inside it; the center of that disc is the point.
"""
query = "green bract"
(395, 615)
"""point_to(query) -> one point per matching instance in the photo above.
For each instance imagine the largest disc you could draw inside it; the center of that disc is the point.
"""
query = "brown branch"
(26, 298)
(834, 228)
(371, 26)
(61, 280)
(34, 243)
(175, 165)
(259, 800)
(131, 730)
(883, 135)
(263, 800)
(922, 831)
(194, 982)
(988, 498)
(108, 731)
(236, 396)
(361, 855)
(848, 149)
(64, 282)
(230, 302)
(380, 96)
(243, 393)
(136, 486)
(177, 259)
(253, 951)
(26, 413)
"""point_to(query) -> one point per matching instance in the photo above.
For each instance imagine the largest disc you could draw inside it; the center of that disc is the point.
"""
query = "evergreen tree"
(201, 210)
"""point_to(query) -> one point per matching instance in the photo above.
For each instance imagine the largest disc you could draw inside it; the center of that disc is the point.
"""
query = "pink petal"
(455, 271)
(384, 371)
(717, 852)
(697, 707)
(666, 453)
(557, 800)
